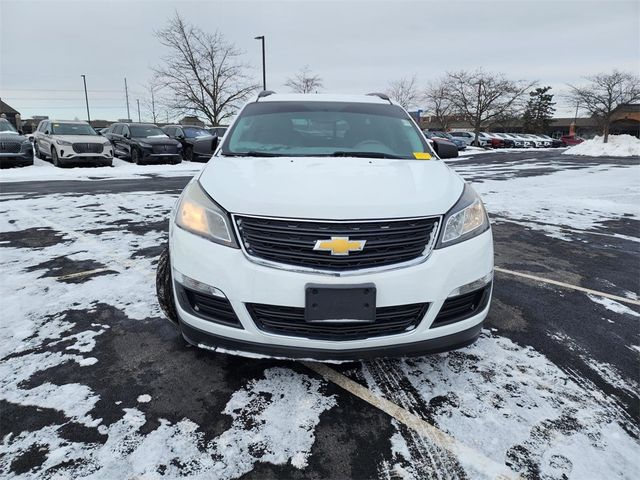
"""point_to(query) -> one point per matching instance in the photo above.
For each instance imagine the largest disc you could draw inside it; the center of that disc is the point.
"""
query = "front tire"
(187, 154)
(164, 287)
(135, 156)
(54, 158)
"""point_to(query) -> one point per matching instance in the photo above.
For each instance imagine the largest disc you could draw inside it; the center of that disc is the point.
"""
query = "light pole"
(86, 97)
(264, 67)
(138, 102)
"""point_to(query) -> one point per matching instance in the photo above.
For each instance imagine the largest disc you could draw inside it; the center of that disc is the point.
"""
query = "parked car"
(466, 137)
(326, 227)
(70, 143)
(217, 131)
(555, 142)
(495, 141)
(15, 149)
(143, 143)
(438, 143)
(569, 140)
(526, 141)
(461, 144)
(538, 142)
(509, 141)
(197, 143)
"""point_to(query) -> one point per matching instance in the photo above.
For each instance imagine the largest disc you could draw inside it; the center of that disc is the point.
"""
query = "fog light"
(470, 287)
(192, 284)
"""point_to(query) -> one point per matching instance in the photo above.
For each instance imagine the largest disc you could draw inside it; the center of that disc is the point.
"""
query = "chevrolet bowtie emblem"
(339, 245)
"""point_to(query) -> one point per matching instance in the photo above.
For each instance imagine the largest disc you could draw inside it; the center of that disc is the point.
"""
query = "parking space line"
(423, 428)
(617, 298)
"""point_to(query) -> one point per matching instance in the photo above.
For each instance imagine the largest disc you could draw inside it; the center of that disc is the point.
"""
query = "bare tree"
(304, 81)
(203, 71)
(481, 97)
(604, 92)
(438, 103)
(405, 92)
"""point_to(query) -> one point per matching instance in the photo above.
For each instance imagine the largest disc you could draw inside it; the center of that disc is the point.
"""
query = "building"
(191, 120)
(625, 119)
(10, 114)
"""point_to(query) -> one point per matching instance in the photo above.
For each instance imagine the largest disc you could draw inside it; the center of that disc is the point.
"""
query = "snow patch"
(144, 398)
(613, 306)
(617, 146)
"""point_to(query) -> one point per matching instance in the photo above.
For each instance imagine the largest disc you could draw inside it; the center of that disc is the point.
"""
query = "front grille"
(291, 242)
(87, 147)
(456, 309)
(290, 321)
(10, 147)
(167, 149)
(207, 307)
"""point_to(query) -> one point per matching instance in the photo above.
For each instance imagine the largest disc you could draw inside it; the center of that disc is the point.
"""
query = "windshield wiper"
(252, 154)
(348, 153)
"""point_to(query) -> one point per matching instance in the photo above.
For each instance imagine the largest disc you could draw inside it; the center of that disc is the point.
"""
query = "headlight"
(465, 220)
(199, 214)
(63, 142)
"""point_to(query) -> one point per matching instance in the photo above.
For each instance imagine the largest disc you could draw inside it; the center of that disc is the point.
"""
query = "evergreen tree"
(539, 110)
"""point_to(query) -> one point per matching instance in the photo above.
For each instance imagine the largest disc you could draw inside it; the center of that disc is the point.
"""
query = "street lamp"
(264, 68)
(86, 97)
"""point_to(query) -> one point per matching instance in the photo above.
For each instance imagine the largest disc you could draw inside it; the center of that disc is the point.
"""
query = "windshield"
(324, 129)
(193, 132)
(72, 129)
(145, 131)
(6, 127)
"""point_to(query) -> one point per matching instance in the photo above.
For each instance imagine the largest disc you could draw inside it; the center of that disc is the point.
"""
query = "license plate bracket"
(340, 303)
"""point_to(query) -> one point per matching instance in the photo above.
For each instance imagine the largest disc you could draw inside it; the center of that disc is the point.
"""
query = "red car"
(569, 140)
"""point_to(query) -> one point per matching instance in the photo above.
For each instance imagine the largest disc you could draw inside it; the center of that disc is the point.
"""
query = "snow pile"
(617, 146)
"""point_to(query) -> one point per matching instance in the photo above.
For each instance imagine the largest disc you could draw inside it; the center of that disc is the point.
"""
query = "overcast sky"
(355, 46)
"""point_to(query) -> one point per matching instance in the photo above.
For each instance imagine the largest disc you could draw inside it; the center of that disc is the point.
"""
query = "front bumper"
(20, 159)
(149, 156)
(242, 281)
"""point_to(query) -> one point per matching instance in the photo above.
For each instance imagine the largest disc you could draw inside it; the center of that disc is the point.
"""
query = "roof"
(80, 122)
(4, 108)
(320, 97)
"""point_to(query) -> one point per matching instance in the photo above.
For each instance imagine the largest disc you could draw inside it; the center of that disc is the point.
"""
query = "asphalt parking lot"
(95, 383)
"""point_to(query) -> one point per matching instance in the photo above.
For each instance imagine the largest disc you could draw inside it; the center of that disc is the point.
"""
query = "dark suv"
(143, 143)
(15, 150)
(198, 144)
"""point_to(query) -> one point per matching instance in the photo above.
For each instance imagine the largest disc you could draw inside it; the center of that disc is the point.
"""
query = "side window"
(125, 130)
(178, 132)
(168, 131)
(117, 129)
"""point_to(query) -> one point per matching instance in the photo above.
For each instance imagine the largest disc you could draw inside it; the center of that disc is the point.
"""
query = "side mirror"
(446, 149)
(20, 131)
(46, 132)
(126, 135)
(98, 132)
(214, 142)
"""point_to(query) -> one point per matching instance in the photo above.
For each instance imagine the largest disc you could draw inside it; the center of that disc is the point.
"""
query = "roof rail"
(265, 93)
(383, 96)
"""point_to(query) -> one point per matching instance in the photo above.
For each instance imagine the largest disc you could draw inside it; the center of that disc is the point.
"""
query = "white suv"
(325, 227)
(71, 143)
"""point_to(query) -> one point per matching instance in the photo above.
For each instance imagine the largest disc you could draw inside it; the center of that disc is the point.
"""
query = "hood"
(331, 188)
(157, 140)
(12, 137)
(81, 138)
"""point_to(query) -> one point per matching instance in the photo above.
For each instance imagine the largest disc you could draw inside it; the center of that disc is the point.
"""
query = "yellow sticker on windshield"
(422, 155)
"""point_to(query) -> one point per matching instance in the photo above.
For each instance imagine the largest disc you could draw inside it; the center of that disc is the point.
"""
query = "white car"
(71, 143)
(540, 141)
(466, 137)
(325, 227)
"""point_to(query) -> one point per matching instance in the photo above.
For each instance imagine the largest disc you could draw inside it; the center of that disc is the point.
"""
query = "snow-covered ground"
(616, 146)
(41, 170)
(507, 401)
